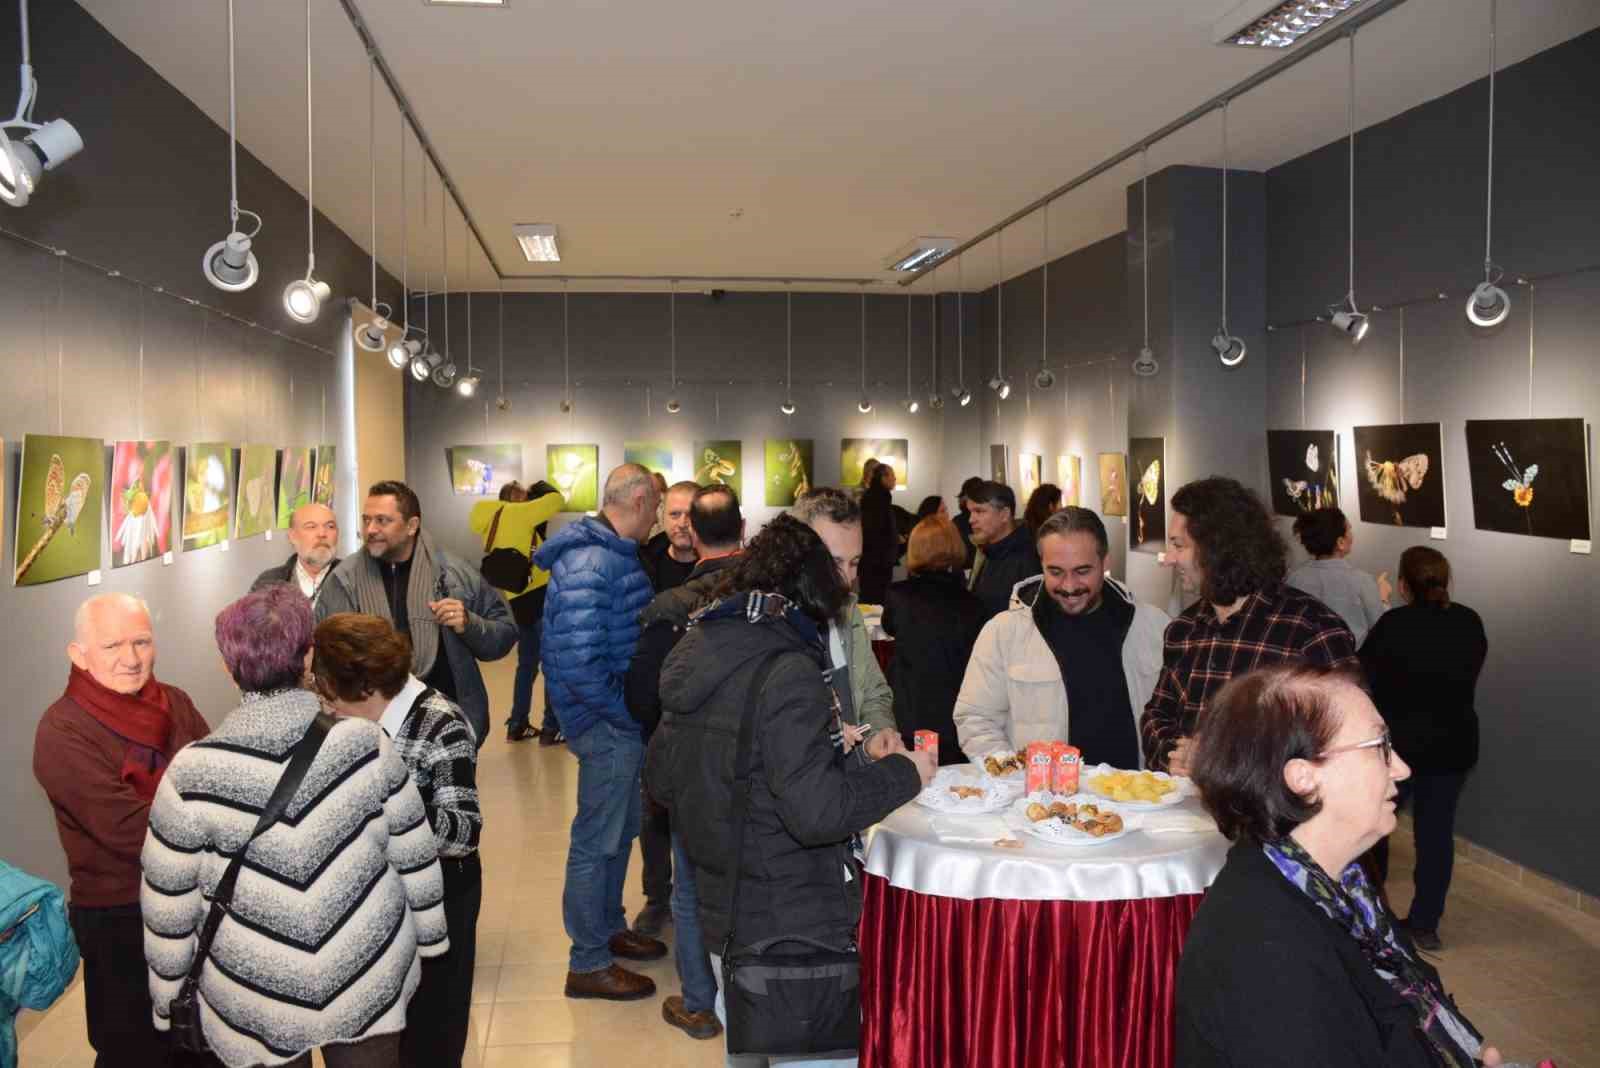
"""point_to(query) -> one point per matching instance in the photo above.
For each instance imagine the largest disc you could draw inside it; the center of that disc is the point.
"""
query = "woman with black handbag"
(753, 744)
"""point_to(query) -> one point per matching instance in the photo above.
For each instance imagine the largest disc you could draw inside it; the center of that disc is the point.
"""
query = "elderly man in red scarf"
(99, 753)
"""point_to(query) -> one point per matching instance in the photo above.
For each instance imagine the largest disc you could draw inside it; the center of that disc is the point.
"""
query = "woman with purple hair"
(335, 903)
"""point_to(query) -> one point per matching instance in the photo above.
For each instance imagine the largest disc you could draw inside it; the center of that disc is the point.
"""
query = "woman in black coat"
(934, 621)
(1422, 661)
(880, 536)
(1293, 960)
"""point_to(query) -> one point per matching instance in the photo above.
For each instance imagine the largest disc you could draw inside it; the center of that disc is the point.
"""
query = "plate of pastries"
(1078, 820)
(957, 789)
(1007, 765)
(1137, 791)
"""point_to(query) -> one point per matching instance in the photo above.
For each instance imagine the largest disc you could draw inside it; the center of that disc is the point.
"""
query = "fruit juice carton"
(1065, 763)
(1040, 763)
(928, 740)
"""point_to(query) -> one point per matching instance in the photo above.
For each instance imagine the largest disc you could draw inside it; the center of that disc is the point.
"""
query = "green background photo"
(853, 452)
(574, 470)
(294, 484)
(207, 494)
(322, 485)
(258, 470)
(71, 549)
(789, 470)
(720, 463)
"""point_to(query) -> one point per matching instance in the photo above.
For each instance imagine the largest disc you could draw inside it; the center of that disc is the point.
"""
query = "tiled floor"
(1525, 970)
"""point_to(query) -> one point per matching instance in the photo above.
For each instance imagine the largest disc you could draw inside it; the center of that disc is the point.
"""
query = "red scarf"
(142, 719)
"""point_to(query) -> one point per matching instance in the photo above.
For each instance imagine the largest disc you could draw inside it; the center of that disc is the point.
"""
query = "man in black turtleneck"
(1006, 551)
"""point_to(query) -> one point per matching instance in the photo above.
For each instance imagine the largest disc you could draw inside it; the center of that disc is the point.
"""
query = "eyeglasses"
(1383, 743)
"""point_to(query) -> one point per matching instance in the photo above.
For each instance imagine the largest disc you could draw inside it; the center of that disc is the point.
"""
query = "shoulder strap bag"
(805, 999)
(184, 1010)
(505, 568)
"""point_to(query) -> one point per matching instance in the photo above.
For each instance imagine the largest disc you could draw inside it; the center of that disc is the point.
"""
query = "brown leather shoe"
(693, 1024)
(612, 984)
(632, 946)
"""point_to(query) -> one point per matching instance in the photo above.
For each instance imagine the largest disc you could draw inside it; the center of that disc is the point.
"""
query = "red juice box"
(1040, 762)
(1065, 762)
(928, 740)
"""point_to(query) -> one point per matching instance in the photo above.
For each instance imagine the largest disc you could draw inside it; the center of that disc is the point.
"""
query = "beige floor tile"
(485, 984)
(532, 982)
(544, 1055)
(524, 1023)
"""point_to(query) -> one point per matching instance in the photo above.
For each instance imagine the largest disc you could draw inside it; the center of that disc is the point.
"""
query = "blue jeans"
(689, 949)
(603, 831)
(748, 1060)
(528, 670)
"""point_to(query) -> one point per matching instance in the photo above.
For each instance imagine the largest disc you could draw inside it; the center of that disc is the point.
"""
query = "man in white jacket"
(1073, 639)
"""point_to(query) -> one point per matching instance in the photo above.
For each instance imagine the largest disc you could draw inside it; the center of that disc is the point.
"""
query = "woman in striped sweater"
(336, 902)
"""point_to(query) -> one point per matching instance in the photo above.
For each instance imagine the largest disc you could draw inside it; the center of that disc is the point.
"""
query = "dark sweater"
(1005, 563)
(100, 819)
(934, 621)
(1423, 664)
(661, 567)
(1088, 650)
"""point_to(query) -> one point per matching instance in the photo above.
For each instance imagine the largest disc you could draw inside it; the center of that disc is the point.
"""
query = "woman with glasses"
(1292, 958)
(1422, 660)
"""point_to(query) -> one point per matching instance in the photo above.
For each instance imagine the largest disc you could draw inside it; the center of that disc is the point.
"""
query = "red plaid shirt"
(1201, 654)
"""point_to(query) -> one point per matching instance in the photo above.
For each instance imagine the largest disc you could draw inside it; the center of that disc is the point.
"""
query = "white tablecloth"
(1178, 851)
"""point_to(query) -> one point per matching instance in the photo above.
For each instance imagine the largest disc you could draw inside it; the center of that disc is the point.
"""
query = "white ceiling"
(707, 137)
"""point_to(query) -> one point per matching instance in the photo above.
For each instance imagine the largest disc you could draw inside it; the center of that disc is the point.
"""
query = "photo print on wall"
(294, 482)
(58, 508)
(1147, 530)
(1530, 476)
(207, 494)
(1399, 477)
(720, 463)
(999, 464)
(1030, 475)
(483, 470)
(143, 474)
(653, 456)
(1069, 470)
(574, 470)
(253, 511)
(788, 471)
(322, 485)
(853, 452)
(1113, 484)
(1304, 468)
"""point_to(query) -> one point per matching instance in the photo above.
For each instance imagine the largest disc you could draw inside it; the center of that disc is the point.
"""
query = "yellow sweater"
(516, 529)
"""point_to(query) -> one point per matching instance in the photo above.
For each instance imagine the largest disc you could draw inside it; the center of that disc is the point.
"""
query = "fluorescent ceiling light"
(464, 3)
(919, 254)
(538, 241)
(1280, 26)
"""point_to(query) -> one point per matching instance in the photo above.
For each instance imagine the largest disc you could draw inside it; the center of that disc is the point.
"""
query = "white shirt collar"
(310, 586)
(399, 707)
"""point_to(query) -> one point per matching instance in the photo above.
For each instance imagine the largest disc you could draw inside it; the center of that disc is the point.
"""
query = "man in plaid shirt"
(1223, 543)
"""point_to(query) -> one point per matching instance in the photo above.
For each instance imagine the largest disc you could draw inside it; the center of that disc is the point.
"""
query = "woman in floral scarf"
(1293, 959)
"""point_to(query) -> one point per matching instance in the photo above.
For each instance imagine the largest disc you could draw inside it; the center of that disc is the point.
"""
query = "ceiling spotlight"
(468, 385)
(1045, 379)
(1229, 349)
(674, 406)
(566, 405)
(1488, 305)
(374, 334)
(963, 396)
(423, 363)
(230, 265)
(402, 352)
(1146, 364)
(444, 375)
(787, 407)
(911, 406)
(502, 404)
(1350, 322)
(303, 298)
(935, 401)
(1001, 387)
(23, 163)
(864, 405)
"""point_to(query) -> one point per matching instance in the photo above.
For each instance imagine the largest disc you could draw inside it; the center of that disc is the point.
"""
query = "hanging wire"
(1044, 296)
(405, 267)
(311, 168)
(1144, 227)
(501, 286)
(372, 161)
(1225, 220)
(933, 341)
(469, 308)
(427, 276)
(1488, 215)
(1000, 304)
(863, 344)
(961, 333)
(1351, 296)
(788, 343)
(672, 332)
(566, 346)
(233, 126)
(908, 343)
(444, 256)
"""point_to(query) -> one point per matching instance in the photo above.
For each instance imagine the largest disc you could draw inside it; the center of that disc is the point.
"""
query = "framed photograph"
(207, 494)
(483, 470)
(322, 486)
(253, 510)
(143, 474)
(720, 463)
(1113, 484)
(854, 452)
(1069, 470)
(1304, 468)
(1400, 474)
(58, 508)
(574, 470)
(294, 482)
(1030, 475)
(1147, 527)
(654, 456)
(788, 470)
(1530, 476)
(999, 464)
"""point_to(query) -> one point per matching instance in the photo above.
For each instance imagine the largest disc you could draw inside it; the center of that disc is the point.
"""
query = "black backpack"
(506, 568)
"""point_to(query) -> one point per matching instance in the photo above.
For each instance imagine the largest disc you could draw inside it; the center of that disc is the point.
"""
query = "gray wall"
(71, 354)
(1419, 231)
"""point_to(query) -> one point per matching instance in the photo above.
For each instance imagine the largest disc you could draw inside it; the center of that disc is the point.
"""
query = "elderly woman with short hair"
(1293, 959)
(336, 901)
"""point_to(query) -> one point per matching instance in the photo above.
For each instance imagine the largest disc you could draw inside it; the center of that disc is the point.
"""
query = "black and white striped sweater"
(334, 903)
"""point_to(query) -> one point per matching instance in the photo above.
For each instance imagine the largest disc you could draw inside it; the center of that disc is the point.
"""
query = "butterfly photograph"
(1147, 516)
(207, 494)
(1530, 476)
(1399, 476)
(59, 508)
(253, 510)
(1304, 467)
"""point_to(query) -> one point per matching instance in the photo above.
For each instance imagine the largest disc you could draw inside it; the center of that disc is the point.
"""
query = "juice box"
(1040, 762)
(928, 740)
(1065, 762)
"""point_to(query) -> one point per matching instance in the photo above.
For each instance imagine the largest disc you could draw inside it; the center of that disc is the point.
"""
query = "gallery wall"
(1419, 233)
(78, 362)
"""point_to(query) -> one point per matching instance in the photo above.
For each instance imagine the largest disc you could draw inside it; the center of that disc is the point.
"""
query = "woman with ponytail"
(1422, 660)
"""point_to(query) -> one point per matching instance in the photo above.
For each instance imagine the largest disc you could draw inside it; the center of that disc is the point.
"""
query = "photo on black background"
(1399, 476)
(1530, 476)
(1147, 525)
(1304, 465)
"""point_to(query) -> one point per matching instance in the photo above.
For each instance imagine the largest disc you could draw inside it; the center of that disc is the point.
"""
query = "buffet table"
(1033, 956)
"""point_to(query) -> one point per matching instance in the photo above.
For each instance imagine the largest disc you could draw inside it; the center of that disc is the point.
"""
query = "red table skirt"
(1019, 984)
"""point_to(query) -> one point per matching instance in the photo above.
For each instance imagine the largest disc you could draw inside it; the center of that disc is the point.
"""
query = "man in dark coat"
(314, 533)
(1006, 553)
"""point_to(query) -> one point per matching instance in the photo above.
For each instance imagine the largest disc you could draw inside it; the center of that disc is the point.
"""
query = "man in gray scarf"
(452, 616)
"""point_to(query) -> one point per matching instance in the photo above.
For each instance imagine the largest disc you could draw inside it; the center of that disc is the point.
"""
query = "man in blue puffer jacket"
(591, 625)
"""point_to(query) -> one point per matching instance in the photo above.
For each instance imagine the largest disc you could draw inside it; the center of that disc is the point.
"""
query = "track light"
(23, 163)
(1146, 366)
(374, 334)
(935, 401)
(911, 406)
(787, 407)
(444, 375)
(303, 298)
(963, 396)
(1346, 317)
(230, 265)
(1229, 349)
(423, 363)
(864, 405)
(1001, 387)
(566, 405)
(1350, 322)
(1045, 379)
(403, 351)
(674, 406)
(468, 385)
(1488, 305)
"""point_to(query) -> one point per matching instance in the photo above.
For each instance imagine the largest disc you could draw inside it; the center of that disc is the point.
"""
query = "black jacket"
(1006, 563)
(285, 573)
(1269, 981)
(661, 624)
(806, 800)
(880, 544)
(1423, 663)
(653, 557)
(934, 621)
(963, 522)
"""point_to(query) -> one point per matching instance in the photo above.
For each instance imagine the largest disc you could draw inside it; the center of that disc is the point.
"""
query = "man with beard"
(436, 599)
(669, 558)
(314, 533)
(1006, 551)
(1077, 663)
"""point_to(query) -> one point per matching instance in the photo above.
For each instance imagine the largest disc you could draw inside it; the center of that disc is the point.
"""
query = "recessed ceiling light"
(919, 254)
(1257, 25)
(538, 241)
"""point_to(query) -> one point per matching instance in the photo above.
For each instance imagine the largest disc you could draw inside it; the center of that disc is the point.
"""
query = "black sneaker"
(549, 737)
(1427, 940)
(520, 734)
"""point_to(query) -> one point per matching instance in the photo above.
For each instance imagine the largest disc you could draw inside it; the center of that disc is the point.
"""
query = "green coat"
(870, 694)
